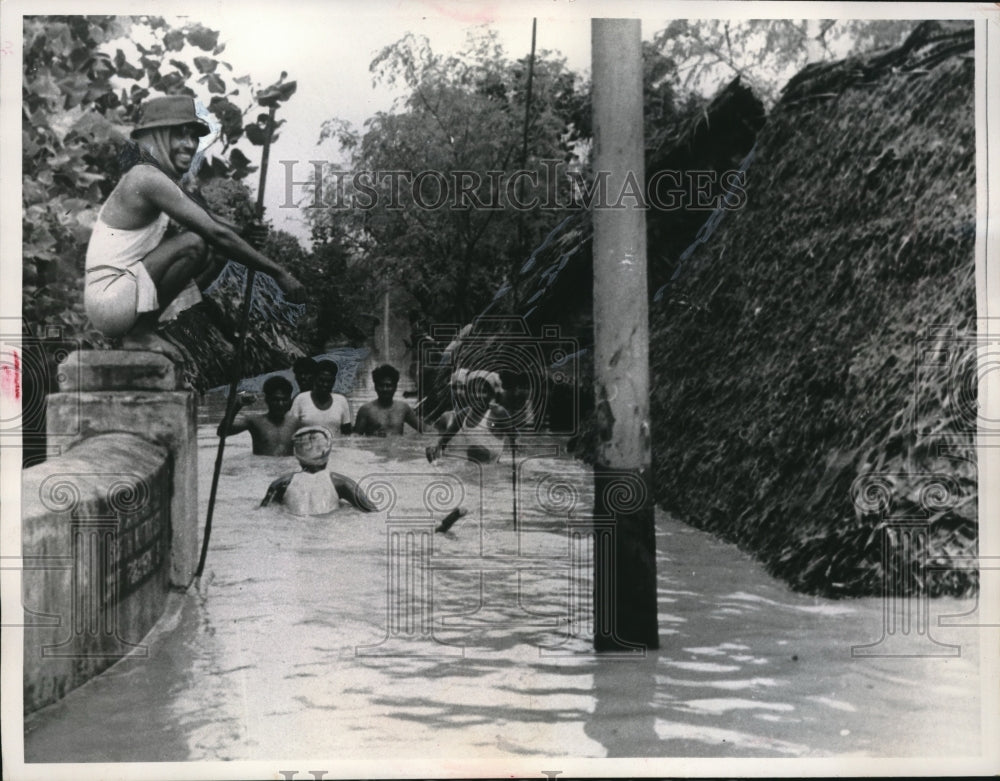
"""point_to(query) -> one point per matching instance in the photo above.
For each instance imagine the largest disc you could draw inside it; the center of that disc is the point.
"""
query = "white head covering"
(491, 377)
(312, 492)
(313, 461)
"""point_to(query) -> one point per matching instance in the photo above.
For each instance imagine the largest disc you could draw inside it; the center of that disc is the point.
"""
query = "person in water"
(480, 430)
(317, 491)
(320, 406)
(132, 272)
(272, 431)
(304, 370)
(384, 415)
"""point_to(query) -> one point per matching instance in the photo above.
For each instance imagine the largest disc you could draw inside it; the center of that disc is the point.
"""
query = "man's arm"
(240, 424)
(349, 491)
(410, 417)
(345, 418)
(454, 426)
(157, 189)
(276, 491)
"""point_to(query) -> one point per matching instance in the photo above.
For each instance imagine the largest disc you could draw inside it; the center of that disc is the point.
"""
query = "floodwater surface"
(368, 635)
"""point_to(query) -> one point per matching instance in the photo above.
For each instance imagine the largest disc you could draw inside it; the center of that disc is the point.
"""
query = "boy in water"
(385, 416)
(132, 272)
(271, 432)
(320, 406)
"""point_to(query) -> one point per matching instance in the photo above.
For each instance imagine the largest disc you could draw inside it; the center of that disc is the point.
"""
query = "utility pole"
(625, 613)
(385, 326)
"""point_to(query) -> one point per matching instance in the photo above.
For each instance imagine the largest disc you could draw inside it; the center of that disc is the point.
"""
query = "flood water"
(367, 635)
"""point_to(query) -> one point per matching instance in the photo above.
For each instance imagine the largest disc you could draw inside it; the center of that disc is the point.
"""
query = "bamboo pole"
(236, 369)
(625, 613)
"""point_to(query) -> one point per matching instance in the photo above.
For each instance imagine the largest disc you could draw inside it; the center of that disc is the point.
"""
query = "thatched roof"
(814, 370)
(208, 332)
(556, 281)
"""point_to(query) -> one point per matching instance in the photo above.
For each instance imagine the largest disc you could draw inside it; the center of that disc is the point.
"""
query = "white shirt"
(305, 412)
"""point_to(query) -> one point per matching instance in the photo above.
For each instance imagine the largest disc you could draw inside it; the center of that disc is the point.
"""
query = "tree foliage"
(80, 94)
(765, 53)
(462, 113)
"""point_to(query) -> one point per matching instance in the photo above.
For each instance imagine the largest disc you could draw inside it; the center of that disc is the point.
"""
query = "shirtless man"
(271, 432)
(320, 406)
(132, 273)
(385, 416)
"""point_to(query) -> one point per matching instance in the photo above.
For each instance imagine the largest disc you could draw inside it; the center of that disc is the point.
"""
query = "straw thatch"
(207, 333)
(814, 366)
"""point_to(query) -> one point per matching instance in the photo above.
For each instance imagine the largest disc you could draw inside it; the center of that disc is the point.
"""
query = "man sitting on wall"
(132, 272)
(385, 416)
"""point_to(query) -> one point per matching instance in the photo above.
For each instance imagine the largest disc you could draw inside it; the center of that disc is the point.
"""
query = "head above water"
(325, 377)
(312, 445)
(386, 380)
(304, 370)
(277, 395)
(479, 392)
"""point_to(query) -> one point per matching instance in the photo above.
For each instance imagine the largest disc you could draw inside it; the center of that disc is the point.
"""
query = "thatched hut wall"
(814, 368)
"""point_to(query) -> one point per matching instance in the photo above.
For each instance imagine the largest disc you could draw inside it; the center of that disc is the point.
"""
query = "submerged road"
(363, 636)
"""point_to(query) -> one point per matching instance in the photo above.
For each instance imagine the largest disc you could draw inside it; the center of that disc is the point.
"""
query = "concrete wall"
(96, 544)
(136, 393)
(110, 523)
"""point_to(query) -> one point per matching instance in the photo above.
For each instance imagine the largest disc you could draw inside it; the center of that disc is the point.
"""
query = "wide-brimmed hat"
(170, 111)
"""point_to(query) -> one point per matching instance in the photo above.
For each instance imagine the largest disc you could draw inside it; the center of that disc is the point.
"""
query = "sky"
(327, 48)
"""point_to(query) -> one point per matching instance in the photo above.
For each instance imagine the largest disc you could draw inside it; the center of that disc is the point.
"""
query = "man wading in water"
(384, 415)
(132, 273)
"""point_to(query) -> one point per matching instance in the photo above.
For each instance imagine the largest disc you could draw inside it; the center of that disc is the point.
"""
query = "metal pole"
(625, 614)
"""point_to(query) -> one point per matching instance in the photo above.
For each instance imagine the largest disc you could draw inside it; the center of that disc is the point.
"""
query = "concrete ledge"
(95, 540)
(87, 370)
(166, 418)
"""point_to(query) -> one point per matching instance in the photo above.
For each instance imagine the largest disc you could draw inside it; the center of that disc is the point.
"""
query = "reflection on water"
(357, 636)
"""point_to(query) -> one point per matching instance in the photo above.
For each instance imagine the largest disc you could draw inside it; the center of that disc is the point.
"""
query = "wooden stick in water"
(449, 520)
